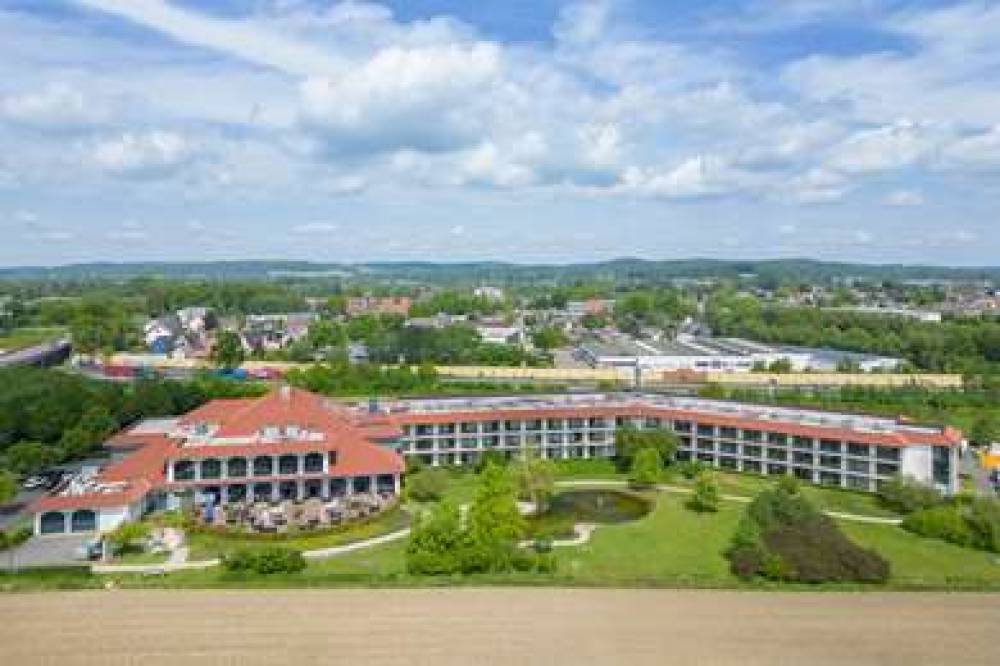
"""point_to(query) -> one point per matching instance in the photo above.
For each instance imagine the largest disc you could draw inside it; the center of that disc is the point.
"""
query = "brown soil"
(497, 626)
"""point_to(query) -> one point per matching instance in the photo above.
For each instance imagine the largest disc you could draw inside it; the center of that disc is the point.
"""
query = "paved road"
(496, 626)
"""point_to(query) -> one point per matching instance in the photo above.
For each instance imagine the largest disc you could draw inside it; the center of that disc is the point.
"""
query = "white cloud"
(58, 105)
(314, 228)
(695, 177)
(904, 198)
(141, 154)
(900, 144)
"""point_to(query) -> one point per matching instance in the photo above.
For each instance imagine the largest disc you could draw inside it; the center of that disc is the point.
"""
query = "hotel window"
(425, 444)
(598, 437)
(776, 469)
(288, 464)
(706, 445)
(534, 425)
(447, 443)
(858, 482)
(752, 435)
(803, 473)
(862, 450)
(469, 443)
(941, 465)
(554, 424)
(446, 428)
(729, 433)
(886, 469)
(576, 423)
(829, 446)
(270, 432)
(236, 467)
(728, 463)
(313, 462)
(425, 429)
(752, 451)
(652, 423)
(887, 453)
(513, 440)
(685, 442)
(802, 458)
(777, 438)
(706, 457)
(491, 426)
(858, 466)
(468, 427)
(263, 466)
(751, 466)
(183, 470)
(829, 478)
(829, 461)
(514, 426)
(777, 454)
(682, 426)
(211, 468)
(729, 447)
(491, 441)
(554, 438)
(706, 430)
(598, 422)
(803, 442)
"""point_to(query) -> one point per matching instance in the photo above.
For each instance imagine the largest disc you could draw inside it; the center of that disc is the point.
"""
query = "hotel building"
(295, 445)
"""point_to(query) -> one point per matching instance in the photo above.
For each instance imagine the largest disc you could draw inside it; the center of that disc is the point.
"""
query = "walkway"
(840, 515)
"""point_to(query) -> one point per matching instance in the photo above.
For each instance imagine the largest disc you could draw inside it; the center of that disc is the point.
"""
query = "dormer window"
(270, 432)
(292, 432)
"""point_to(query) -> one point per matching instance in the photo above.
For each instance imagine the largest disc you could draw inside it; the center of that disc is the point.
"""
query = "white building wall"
(916, 463)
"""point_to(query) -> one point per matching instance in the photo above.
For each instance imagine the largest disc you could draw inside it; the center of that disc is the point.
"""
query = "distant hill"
(624, 269)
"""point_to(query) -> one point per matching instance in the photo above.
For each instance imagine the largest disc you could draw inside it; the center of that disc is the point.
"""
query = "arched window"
(263, 466)
(211, 468)
(53, 522)
(313, 462)
(83, 520)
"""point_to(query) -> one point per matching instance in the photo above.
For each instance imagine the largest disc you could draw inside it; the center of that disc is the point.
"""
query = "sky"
(519, 130)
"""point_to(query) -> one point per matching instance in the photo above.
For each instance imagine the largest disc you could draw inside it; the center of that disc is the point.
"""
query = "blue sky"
(525, 130)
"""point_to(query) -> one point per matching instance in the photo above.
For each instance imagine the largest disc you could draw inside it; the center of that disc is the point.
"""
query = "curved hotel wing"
(292, 444)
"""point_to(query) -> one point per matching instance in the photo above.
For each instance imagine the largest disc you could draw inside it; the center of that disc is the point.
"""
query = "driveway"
(44, 551)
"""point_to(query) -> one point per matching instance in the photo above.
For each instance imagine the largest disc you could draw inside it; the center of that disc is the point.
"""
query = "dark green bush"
(783, 537)
(974, 523)
(265, 561)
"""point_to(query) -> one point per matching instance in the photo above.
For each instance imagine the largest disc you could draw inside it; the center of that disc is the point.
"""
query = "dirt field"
(499, 626)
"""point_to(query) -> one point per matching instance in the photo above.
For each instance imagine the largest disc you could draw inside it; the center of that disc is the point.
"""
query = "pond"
(587, 506)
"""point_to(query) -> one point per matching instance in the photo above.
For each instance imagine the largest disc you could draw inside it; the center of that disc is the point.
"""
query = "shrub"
(427, 485)
(264, 561)
(706, 493)
(905, 495)
(647, 466)
(690, 469)
(983, 518)
(127, 534)
(940, 522)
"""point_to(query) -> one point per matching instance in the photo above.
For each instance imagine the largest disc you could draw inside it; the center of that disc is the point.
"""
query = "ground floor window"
(385, 483)
(236, 492)
(83, 520)
(262, 492)
(53, 522)
(338, 487)
(313, 488)
(362, 484)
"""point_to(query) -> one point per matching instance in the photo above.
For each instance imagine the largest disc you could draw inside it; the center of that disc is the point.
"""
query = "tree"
(706, 493)
(494, 524)
(630, 440)
(228, 351)
(8, 486)
(436, 541)
(535, 480)
(549, 337)
(985, 429)
(427, 485)
(28, 457)
(647, 466)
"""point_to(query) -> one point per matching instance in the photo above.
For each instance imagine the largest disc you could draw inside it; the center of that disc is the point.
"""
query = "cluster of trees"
(970, 521)
(457, 303)
(48, 416)
(483, 540)
(969, 345)
(660, 308)
(644, 453)
(782, 536)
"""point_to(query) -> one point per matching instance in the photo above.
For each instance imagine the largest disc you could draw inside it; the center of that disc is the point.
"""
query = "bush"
(706, 494)
(783, 537)
(647, 466)
(265, 561)
(905, 495)
(690, 469)
(973, 523)
(427, 485)
(11, 538)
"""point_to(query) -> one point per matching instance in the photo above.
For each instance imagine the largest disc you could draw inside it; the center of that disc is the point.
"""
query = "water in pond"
(597, 506)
